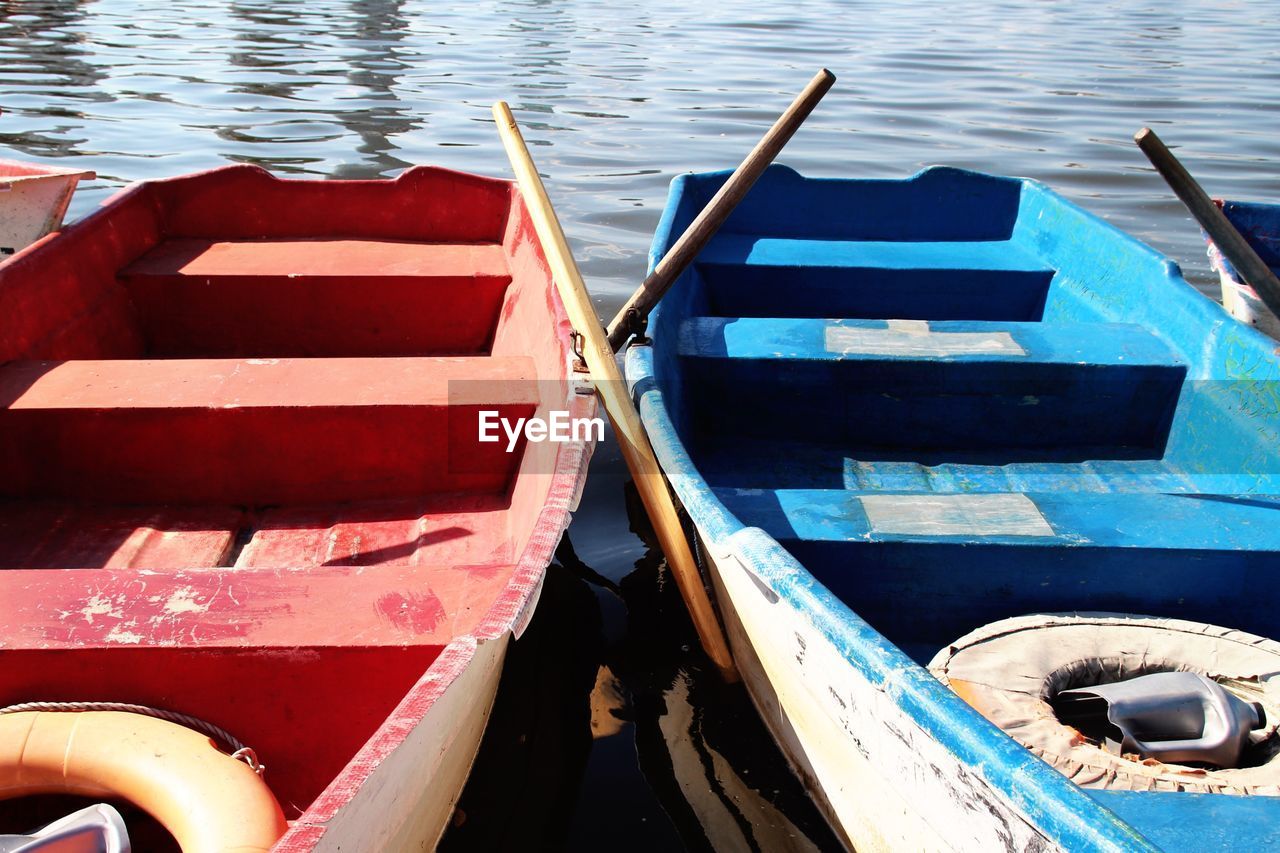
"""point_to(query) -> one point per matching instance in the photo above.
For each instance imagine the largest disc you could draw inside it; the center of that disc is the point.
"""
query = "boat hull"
(867, 764)
(399, 793)
(1243, 303)
(896, 410)
(34, 201)
(1240, 300)
(1260, 223)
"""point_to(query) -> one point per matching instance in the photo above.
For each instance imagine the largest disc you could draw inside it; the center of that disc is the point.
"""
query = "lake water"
(615, 99)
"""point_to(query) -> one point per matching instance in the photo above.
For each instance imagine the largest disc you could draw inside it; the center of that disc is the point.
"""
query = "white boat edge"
(867, 764)
(1241, 302)
(34, 204)
(400, 790)
(1239, 299)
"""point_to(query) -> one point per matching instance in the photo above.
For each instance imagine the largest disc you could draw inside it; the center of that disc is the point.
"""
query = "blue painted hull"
(899, 410)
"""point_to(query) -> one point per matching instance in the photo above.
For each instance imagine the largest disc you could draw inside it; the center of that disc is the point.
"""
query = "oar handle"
(631, 318)
(1234, 248)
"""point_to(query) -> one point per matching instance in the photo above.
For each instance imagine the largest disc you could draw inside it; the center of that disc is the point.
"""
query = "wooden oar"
(1234, 248)
(612, 390)
(631, 318)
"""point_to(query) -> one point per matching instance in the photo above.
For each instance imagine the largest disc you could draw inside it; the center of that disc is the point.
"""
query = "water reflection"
(380, 26)
(620, 97)
(701, 746)
(43, 54)
(271, 40)
(353, 97)
(702, 774)
(524, 785)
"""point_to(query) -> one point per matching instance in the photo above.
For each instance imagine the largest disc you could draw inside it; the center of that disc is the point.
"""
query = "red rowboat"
(242, 476)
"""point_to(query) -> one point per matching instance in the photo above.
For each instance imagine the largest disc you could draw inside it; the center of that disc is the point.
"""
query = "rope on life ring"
(234, 746)
(209, 801)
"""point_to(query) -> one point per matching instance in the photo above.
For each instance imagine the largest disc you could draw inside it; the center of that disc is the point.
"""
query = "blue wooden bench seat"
(978, 279)
(750, 249)
(738, 462)
(927, 565)
(946, 385)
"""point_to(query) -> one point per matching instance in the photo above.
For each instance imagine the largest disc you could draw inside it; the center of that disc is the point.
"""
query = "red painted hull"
(240, 475)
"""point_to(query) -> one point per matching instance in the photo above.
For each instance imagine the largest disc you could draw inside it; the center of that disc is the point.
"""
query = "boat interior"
(959, 398)
(240, 463)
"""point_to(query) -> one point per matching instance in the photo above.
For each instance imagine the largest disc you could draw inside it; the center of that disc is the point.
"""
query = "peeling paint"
(100, 605)
(184, 600)
(119, 634)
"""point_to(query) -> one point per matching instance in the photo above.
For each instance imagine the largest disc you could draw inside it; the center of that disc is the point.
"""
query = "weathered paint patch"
(185, 600)
(100, 605)
(914, 338)
(122, 634)
(955, 515)
(415, 612)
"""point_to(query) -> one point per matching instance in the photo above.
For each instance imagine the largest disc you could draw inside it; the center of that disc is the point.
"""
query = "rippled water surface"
(615, 99)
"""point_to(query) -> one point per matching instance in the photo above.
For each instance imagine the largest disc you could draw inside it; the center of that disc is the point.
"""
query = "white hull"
(32, 205)
(1243, 304)
(409, 776)
(882, 782)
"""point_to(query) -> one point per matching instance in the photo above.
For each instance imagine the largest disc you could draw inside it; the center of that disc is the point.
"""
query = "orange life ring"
(209, 801)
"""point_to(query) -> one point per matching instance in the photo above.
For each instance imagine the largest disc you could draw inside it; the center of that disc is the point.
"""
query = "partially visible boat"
(1259, 224)
(33, 201)
(898, 411)
(243, 478)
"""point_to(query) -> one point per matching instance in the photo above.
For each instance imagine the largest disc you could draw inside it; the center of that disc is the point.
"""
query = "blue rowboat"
(898, 411)
(1260, 226)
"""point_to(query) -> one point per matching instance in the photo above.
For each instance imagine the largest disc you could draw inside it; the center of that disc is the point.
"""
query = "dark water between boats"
(610, 729)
